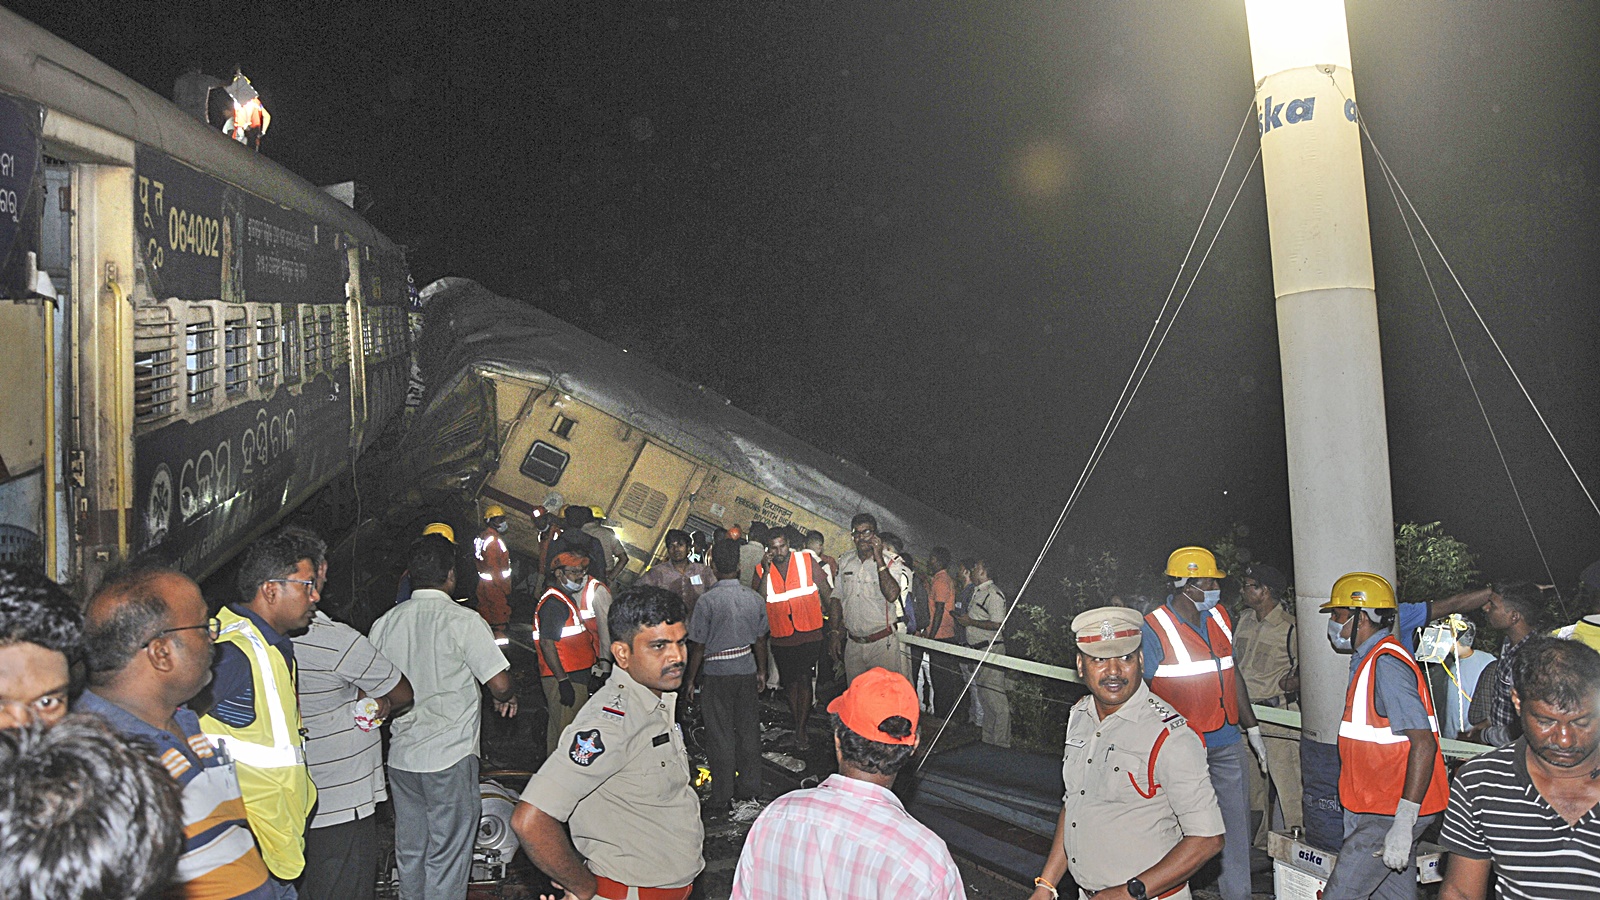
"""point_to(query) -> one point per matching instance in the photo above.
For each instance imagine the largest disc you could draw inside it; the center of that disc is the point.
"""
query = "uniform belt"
(873, 637)
(616, 890)
(734, 653)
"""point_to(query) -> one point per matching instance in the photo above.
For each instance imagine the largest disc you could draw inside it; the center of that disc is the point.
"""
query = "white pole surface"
(1327, 324)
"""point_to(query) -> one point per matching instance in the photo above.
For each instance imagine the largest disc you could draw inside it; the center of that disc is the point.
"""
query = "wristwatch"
(1136, 889)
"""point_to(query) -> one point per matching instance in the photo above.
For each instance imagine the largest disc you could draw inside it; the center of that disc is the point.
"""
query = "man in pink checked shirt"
(849, 837)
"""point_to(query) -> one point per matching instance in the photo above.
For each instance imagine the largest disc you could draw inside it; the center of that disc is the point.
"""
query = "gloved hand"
(1397, 843)
(601, 669)
(1258, 746)
(569, 695)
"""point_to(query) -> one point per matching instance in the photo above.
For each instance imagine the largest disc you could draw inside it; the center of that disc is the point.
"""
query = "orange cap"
(569, 559)
(735, 532)
(876, 695)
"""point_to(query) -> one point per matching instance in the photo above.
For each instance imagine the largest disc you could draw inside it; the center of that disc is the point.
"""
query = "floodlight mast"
(1333, 408)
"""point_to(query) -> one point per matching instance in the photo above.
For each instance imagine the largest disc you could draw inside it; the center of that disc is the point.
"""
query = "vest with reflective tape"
(1196, 679)
(268, 754)
(1372, 759)
(794, 603)
(575, 643)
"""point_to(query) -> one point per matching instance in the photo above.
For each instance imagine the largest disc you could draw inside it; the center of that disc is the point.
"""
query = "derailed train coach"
(193, 340)
(525, 410)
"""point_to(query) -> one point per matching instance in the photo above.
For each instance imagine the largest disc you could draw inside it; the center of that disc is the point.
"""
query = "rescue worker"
(621, 780)
(255, 712)
(1188, 662)
(494, 570)
(1392, 778)
(799, 605)
(565, 641)
(249, 119)
(1139, 815)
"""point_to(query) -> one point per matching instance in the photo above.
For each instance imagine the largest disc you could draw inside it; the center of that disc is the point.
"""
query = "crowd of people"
(151, 746)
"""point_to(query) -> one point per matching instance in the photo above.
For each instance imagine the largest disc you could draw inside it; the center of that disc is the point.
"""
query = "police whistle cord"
(1402, 201)
(1130, 388)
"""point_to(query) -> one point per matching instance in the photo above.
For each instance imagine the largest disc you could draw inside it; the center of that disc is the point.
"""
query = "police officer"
(619, 777)
(1139, 815)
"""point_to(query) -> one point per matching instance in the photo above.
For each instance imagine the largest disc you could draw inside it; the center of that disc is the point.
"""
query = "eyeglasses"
(864, 532)
(212, 625)
(311, 586)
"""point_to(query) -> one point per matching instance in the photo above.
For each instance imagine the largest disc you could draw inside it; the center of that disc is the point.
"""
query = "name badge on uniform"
(660, 739)
(1077, 743)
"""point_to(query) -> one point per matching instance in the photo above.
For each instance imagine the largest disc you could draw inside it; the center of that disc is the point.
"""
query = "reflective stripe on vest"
(1187, 665)
(283, 752)
(575, 648)
(797, 608)
(573, 626)
(1373, 759)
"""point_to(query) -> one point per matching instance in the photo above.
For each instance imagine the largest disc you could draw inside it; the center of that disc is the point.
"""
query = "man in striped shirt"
(1529, 808)
(149, 645)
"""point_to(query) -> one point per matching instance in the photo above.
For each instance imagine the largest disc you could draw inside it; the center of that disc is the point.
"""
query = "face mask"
(1212, 598)
(572, 586)
(1336, 636)
(502, 527)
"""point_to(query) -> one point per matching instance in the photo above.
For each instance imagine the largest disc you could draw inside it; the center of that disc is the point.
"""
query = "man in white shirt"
(445, 650)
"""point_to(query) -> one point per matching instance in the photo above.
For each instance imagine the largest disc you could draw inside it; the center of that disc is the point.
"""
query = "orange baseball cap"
(876, 695)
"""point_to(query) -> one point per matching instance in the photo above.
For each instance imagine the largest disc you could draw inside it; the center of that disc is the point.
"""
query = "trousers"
(1358, 874)
(435, 824)
(733, 736)
(1227, 765)
(1283, 775)
(342, 861)
(561, 716)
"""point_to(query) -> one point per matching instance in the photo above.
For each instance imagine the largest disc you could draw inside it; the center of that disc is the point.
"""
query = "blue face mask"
(1212, 598)
(573, 586)
(1336, 636)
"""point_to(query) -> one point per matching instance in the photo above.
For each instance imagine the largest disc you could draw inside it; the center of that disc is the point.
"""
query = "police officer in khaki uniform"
(1139, 815)
(619, 776)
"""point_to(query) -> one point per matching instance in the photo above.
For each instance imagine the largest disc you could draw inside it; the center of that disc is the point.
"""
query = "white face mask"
(1212, 598)
(1336, 635)
(502, 526)
(573, 586)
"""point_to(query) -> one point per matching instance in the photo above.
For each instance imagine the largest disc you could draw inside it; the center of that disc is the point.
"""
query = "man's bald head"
(139, 609)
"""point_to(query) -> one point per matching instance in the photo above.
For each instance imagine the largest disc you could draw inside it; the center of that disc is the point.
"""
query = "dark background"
(932, 236)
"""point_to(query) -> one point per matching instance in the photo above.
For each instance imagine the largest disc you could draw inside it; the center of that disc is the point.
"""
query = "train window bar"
(236, 355)
(325, 335)
(155, 364)
(308, 346)
(266, 350)
(200, 357)
(290, 333)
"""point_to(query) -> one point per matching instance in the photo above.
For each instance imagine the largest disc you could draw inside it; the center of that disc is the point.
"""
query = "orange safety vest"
(575, 644)
(494, 578)
(793, 601)
(586, 607)
(1372, 759)
(1198, 680)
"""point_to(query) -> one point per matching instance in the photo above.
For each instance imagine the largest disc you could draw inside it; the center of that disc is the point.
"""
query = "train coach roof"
(41, 67)
(497, 334)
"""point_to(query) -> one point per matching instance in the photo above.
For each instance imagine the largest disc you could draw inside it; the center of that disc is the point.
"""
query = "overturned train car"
(523, 409)
(192, 339)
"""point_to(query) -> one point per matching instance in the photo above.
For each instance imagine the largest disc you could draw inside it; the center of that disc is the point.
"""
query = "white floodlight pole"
(1333, 409)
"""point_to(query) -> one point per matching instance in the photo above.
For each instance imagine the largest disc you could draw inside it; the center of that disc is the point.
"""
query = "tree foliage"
(1429, 564)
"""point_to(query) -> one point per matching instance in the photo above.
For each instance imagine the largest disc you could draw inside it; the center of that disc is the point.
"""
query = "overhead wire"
(1398, 192)
(1130, 388)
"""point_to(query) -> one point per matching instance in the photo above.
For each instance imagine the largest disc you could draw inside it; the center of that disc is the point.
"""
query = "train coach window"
(325, 336)
(643, 504)
(369, 327)
(545, 463)
(266, 350)
(308, 344)
(290, 332)
(155, 364)
(236, 355)
(200, 357)
(562, 426)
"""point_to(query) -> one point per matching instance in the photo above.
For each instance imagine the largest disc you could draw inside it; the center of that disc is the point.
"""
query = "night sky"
(931, 236)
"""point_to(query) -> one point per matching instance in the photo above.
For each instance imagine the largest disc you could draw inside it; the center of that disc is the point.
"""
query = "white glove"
(1257, 745)
(601, 668)
(1397, 843)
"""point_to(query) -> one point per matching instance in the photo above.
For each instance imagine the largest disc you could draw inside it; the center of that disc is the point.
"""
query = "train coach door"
(647, 505)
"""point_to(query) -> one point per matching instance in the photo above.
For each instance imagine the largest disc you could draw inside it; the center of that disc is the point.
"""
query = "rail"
(1285, 717)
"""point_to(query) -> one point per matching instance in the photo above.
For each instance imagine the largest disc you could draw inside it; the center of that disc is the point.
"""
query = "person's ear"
(620, 652)
(160, 651)
(1516, 702)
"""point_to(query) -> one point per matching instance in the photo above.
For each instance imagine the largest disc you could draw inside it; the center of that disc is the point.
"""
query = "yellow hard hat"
(599, 514)
(1361, 590)
(442, 530)
(493, 511)
(1193, 562)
